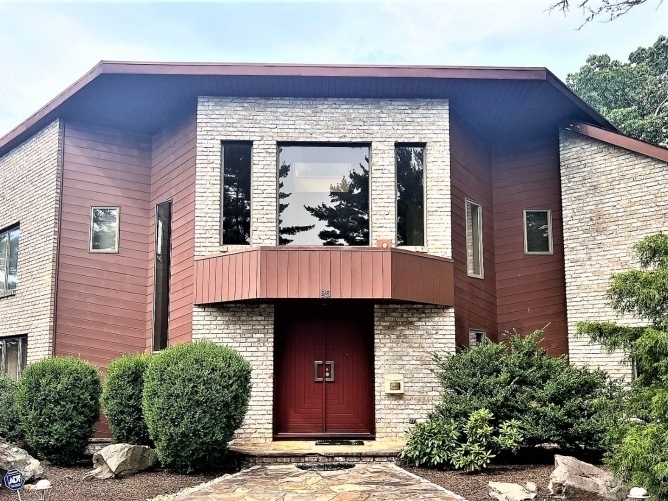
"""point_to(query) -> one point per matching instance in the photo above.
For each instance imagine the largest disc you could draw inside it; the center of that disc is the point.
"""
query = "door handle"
(329, 371)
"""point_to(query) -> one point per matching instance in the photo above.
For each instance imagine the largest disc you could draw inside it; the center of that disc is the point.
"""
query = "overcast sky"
(44, 47)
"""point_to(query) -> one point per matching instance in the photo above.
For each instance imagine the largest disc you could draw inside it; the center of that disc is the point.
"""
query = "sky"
(45, 47)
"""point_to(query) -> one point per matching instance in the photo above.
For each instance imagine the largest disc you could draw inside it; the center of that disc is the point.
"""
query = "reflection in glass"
(236, 194)
(474, 239)
(537, 225)
(9, 258)
(410, 194)
(13, 356)
(328, 192)
(162, 274)
(104, 229)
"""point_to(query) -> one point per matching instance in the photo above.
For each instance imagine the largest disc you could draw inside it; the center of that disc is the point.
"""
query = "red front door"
(323, 383)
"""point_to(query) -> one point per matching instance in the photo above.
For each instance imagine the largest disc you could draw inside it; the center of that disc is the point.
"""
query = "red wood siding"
(346, 273)
(471, 174)
(101, 298)
(531, 289)
(173, 178)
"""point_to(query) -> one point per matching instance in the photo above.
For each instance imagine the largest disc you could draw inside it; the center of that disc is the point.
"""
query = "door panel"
(306, 402)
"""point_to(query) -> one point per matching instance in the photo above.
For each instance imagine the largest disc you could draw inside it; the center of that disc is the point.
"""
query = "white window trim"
(467, 202)
(21, 357)
(549, 233)
(118, 230)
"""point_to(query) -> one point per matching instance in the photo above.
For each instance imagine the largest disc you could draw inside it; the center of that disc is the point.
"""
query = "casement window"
(13, 355)
(409, 160)
(323, 194)
(476, 337)
(104, 229)
(474, 248)
(538, 231)
(9, 258)
(236, 193)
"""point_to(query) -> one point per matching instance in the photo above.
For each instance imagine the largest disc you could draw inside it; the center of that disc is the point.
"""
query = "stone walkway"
(286, 482)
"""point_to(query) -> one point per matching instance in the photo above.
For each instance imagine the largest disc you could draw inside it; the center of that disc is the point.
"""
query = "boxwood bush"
(9, 421)
(195, 397)
(122, 399)
(58, 402)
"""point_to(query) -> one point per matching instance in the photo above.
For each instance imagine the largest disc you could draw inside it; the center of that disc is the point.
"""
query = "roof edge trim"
(620, 140)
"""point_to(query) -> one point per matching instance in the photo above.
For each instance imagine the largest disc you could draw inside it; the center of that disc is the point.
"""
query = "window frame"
(224, 143)
(22, 355)
(8, 229)
(117, 242)
(473, 337)
(409, 144)
(550, 235)
(471, 266)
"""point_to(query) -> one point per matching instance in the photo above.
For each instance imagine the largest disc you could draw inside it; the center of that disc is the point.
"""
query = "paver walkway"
(286, 482)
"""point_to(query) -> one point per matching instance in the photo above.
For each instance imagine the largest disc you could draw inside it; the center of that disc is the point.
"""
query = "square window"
(474, 249)
(410, 194)
(104, 229)
(13, 355)
(476, 337)
(538, 231)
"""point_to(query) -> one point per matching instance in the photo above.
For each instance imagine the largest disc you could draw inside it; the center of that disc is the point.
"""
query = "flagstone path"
(285, 482)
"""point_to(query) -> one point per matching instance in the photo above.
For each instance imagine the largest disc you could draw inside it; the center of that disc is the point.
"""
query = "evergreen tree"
(288, 231)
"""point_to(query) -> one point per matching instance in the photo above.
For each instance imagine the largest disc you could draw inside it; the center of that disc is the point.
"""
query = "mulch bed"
(68, 486)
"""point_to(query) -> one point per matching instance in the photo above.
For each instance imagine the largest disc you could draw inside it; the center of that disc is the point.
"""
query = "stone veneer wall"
(612, 198)
(30, 195)
(401, 344)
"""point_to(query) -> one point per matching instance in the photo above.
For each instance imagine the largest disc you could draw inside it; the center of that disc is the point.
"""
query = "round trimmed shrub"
(9, 421)
(122, 399)
(58, 402)
(195, 397)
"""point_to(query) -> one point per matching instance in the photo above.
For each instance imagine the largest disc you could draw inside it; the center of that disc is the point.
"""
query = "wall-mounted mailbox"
(394, 383)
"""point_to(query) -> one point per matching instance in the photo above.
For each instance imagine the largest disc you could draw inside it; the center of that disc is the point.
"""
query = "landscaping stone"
(576, 480)
(505, 491)
(15, 457)
(121, 460)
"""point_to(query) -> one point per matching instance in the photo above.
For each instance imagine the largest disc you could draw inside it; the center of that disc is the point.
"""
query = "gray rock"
(576, 480)
(15, 457)
(505, 491)
(121, 460)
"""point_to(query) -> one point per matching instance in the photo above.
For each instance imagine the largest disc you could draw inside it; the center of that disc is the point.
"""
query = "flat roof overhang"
(146, 97)
(276, 273)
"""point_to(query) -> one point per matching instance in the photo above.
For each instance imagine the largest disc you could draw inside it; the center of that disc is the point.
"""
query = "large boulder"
(576, 480)
(15, 457)
(121, 460)
(505, 491)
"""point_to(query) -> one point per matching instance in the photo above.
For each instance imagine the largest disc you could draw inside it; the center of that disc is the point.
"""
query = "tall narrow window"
(13, 355)
(410, 194)
(538, 231)
(474, 239)
(323, 194)
(162, 274)
(104, 229)
(9, 259)
(236, 193)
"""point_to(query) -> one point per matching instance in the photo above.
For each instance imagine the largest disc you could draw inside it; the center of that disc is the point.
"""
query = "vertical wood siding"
(531, 289)
(101, 298)
(173, 178)
(471, 171)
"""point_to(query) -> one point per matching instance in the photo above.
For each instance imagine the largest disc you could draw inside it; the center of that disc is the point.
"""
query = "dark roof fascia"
(51, 110)
(620, 140)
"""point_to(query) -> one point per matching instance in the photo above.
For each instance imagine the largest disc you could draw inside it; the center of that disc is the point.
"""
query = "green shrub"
(553, 402)
(58, 402)
(122, 399)
(195, 398)
(468, 445)
(10, 429)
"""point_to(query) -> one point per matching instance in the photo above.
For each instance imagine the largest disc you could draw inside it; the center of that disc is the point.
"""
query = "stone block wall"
(612, 198)
(29, 195)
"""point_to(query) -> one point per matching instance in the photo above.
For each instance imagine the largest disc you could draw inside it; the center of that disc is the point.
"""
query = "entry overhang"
(272, 273)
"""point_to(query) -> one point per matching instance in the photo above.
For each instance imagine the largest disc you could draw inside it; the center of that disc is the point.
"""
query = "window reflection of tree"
(410, 195)
(105, 226)
(347, 214)
(286, 231)
(538, 231)
(236, 193)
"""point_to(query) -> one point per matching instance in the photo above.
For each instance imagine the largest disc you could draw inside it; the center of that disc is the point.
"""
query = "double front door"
(323, 384)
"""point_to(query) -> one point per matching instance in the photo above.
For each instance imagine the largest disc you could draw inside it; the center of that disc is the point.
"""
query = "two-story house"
(335, 224)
